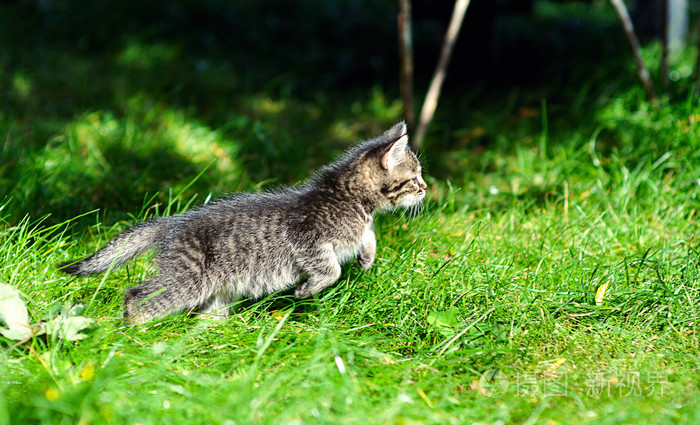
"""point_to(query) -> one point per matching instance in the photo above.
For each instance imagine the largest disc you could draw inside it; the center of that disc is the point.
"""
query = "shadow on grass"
(106, 99)
(109, 101)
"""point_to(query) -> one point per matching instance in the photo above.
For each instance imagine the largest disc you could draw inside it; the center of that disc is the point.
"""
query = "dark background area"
(281, 86)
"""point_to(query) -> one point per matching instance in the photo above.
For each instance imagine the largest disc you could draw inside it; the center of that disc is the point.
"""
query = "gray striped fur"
(120, 250)
(252, 245)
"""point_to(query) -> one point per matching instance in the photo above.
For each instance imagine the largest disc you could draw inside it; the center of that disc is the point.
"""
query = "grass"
(539, 196)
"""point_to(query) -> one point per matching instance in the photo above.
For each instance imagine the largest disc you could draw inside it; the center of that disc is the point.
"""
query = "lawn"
(553, 276)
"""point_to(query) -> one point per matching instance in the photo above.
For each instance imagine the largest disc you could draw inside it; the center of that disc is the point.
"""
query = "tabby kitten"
(251, 245)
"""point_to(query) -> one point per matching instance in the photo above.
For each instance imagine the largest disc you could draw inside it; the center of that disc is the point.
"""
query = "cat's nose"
(421, 183)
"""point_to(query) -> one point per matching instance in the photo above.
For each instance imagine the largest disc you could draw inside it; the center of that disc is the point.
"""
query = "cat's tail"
(119, 250)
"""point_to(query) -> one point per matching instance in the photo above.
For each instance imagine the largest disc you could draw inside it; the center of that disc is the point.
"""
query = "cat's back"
(241, 211)
(277, 218)
(237, 224)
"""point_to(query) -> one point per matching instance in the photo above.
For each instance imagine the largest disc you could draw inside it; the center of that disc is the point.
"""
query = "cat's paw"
(303, 291)
(365, 263)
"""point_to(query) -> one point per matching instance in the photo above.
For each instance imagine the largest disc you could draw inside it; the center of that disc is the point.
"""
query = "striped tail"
(119, 250)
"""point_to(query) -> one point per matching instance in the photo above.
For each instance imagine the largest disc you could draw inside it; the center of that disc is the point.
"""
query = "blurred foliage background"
(118, 104)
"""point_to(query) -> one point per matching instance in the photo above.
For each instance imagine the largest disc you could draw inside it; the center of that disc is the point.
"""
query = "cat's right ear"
(399, 129)
(395, 153)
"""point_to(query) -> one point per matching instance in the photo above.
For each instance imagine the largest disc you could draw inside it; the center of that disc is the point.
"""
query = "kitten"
(251, 245)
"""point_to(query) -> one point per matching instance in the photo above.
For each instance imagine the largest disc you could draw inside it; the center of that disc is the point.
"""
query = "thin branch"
(431, 99)
(663, 66)
(697, 63)
(642, 70)
(406, 57)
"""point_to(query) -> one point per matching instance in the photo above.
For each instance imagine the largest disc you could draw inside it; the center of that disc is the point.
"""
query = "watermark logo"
(493, 383)
(596, 384)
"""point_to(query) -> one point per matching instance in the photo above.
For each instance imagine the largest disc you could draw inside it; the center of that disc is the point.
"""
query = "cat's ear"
(395, 153)
(399, 129)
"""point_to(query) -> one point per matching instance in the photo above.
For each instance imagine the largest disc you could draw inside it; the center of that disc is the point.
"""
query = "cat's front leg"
(369, 248)
(322, 267)
(217, 307)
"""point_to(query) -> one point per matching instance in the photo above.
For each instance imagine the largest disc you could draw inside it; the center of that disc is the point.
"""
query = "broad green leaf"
(68, 325)
(68, 328)
(444, 321)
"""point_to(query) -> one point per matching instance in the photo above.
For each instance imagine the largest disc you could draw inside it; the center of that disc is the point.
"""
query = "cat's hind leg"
(183, 283)
(158, 297)
(147, 301)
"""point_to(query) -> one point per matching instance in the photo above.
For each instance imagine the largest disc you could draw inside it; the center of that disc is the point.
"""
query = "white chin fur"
(410, 201)
(406, 203)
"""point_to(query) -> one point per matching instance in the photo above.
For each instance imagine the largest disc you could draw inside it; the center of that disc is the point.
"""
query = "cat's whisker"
(403, 214)
(415, 211)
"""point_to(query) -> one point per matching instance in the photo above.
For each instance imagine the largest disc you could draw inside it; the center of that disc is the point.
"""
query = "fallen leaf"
(526, 112)
(600, 293)
(68, 328)
(425, 398)
(13, 313)
(277, 314)
(551, 371)
(473, 134)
